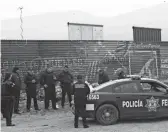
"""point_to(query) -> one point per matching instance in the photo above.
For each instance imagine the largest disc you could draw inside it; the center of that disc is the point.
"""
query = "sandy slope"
(62, 121)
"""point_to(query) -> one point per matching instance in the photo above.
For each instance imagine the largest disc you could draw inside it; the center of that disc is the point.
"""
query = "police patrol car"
(130, 98)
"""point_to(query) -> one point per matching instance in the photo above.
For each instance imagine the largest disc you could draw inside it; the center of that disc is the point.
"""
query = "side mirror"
(93, 91)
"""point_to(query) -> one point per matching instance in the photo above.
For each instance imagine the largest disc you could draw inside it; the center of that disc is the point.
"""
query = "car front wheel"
(107, 114)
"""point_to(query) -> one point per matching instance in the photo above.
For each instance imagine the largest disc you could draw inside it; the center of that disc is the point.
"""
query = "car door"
(156, 98)
(129, 99)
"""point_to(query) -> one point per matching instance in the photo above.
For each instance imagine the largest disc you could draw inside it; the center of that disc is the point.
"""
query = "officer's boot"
(28, 108)
(84, 123)
(76, 122)
(9, 122)
(36, 105)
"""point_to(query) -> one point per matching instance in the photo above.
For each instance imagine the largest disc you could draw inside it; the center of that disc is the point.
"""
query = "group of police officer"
(11, 87)
(103, 77)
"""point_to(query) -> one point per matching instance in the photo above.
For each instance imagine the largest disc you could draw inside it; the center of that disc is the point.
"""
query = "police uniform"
(7, 105)
(16, 89)
(80, 92)
(66, 79)
(31, 90)
(120, 73)
(7, 100)
(48, 78)
(103, 77)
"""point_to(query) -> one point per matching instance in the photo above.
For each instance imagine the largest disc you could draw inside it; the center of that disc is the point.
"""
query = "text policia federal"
(140, 103)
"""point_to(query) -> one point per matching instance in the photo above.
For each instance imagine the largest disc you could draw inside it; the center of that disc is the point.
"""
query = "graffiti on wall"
(137, 59)
(109, 55)
(146, 46)
(7, 66)
(76, 65)
(164, 68)
(144, 63)
(60, 62)
(108, 59)
(39, 64)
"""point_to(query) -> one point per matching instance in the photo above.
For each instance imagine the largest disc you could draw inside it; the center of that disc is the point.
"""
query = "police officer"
(7, 100)
(48, 81)
(16, 90)
(103, 77)
(66, 79)
(120, 73)
(31, 83)
(80, 91)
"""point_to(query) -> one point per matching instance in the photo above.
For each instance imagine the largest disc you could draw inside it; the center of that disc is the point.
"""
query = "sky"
(106, 8)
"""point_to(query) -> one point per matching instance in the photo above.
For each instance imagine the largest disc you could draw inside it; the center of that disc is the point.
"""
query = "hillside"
(54, 25)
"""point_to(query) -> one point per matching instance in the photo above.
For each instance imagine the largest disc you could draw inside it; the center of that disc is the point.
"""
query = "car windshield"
(165, 85)
(154, 85)
(157, 81)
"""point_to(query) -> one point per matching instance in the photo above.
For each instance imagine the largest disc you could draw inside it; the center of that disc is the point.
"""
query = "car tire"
(107, 114)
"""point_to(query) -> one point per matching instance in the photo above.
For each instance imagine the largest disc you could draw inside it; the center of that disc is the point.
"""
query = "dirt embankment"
(61, 120)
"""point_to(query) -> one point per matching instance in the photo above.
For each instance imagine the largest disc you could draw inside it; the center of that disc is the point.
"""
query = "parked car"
(129, 98)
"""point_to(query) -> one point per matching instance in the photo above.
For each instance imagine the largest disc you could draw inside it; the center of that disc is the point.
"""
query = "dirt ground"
(61, 120)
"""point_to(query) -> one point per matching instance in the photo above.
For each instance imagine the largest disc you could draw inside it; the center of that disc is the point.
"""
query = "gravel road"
(62, 121)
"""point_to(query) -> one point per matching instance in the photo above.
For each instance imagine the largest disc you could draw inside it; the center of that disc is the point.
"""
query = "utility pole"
(21, 20)
(21, 27)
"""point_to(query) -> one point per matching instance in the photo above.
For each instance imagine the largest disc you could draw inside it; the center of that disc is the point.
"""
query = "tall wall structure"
(142, 34)
(77, 31)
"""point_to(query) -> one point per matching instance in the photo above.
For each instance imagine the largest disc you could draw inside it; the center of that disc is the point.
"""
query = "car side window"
(127, 88)
(146, 86)
(152, 87)
(106, 89)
